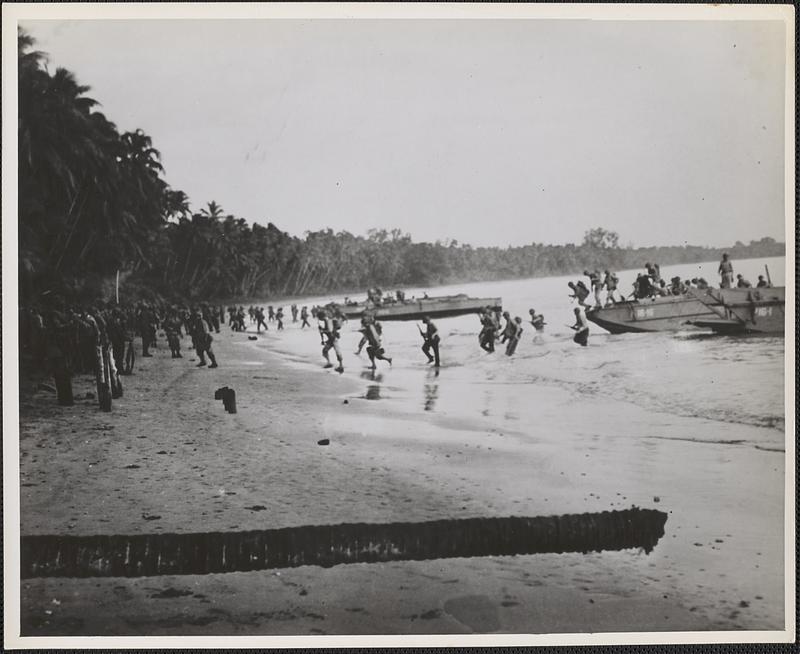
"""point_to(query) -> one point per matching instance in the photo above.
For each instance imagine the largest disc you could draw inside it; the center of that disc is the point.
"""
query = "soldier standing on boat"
(653, 271)
(595, 284)
(610, 281)
(431, 336)
(726, 272)
(581, 328)
(643, 287)
(329, 333)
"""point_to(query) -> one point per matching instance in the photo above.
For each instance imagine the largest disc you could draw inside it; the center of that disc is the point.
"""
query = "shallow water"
(666, 385)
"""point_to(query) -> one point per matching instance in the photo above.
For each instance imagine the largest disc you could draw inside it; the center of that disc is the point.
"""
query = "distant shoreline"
(361, 292)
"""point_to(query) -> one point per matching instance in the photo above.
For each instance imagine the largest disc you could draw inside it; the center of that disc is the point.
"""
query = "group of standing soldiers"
(260, 320)
(99, 338)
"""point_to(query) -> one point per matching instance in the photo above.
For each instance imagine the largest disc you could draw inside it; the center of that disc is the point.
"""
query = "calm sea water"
(719, 381)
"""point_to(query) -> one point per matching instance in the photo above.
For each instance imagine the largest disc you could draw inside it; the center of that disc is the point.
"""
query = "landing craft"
(413, 309)
(728, 311)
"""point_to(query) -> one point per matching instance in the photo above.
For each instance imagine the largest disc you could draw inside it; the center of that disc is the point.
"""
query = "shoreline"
(262, 468)
(336, 296)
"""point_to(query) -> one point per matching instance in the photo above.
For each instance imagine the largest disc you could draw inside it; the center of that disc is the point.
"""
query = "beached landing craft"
(730, 311)
(433, 307)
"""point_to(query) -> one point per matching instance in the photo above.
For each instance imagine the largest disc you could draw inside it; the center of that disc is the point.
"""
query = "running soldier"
(329, 334)
(373, 332)
(431, 338)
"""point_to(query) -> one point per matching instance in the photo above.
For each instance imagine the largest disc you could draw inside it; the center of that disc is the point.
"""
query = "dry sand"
(718, 566)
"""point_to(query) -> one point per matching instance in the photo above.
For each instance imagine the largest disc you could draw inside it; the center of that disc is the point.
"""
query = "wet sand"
(168, 459)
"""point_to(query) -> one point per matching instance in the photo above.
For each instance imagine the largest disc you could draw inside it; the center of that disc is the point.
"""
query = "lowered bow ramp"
(744, 310)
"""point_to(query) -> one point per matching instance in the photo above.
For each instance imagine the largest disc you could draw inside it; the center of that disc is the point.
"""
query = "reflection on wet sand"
(373, 391)
(431, 395)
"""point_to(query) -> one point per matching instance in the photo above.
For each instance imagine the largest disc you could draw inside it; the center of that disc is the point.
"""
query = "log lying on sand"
(329, 545)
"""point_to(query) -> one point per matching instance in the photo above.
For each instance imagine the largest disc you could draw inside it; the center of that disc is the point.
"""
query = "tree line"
(94, 203)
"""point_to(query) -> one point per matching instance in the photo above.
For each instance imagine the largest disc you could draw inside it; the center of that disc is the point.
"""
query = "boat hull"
(443, 307)
(671, 313)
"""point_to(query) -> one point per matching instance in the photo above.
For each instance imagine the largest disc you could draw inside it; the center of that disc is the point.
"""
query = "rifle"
(769, 279)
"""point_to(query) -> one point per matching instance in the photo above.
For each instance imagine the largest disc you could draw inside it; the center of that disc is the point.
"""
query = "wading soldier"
(581, 328)
(537, 320)
(508, 329)
(513, 339)
(488, 332)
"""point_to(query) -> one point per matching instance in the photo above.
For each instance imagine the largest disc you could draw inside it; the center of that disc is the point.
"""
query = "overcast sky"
(488, 132)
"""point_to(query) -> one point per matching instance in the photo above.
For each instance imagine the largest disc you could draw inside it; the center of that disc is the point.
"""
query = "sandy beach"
(168, 459)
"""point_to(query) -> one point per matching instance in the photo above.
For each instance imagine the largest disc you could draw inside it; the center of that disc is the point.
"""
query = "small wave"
(700, 440)
(655, 402)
